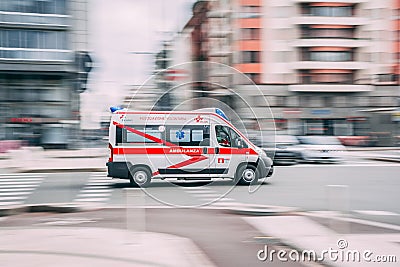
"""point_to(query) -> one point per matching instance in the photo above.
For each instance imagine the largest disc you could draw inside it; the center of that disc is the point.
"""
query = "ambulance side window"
(135, 135)
(237, 141)
(227, 137)
(190, 135)
(223, 137)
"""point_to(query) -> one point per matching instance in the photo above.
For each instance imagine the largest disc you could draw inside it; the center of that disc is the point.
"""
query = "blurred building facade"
(39, 94)
(322, 65)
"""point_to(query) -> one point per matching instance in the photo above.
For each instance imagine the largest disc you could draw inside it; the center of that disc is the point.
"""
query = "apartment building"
(322, 65)
(39, 96)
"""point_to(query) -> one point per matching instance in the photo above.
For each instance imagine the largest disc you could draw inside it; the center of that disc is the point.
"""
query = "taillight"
(110, 159)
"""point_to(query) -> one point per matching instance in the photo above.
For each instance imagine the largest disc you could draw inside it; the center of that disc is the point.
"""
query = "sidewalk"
(96, 247)
(35, 159)
(314, 232)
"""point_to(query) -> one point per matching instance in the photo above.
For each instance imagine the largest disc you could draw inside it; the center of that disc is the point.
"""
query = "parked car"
(320, 149)
(283, 149)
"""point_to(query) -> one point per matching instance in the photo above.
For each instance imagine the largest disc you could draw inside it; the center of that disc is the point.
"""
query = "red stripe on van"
(192, 160)
(147, 136)
(158, 150)
(236, 151)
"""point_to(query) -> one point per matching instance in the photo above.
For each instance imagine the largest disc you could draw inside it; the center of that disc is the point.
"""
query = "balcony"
(221, 13)
(330, 1)
(330, 88)
(12, 19)
(219, 32)
(313, 42)
(314, 20)
(349, 65)
(45, 55)
(220, 51)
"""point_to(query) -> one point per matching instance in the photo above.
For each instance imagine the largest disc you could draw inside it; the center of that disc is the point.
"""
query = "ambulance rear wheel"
(246, 174)
(140, 177)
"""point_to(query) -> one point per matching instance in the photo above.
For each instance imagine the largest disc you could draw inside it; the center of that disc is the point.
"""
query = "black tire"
(246, 175)
(140, 177)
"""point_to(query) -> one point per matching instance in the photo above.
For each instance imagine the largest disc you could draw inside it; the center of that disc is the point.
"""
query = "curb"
(53, 207)
(241, 209)
(261, 210)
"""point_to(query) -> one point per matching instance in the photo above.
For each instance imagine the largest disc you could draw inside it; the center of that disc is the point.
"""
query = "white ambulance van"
(191, 145)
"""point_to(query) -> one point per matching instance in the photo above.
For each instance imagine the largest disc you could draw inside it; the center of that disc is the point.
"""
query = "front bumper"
(265, 167)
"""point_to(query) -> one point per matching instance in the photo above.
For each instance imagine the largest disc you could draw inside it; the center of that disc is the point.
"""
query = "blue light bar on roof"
(221, 113)
(114, 109)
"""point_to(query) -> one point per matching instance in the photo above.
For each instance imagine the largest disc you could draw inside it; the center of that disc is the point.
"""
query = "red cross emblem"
(198, 118)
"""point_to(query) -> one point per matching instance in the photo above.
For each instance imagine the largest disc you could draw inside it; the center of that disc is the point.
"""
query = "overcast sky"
(118, 27)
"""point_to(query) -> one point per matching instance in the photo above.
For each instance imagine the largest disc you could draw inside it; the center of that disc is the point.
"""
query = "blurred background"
(326, 68)
(310, 81)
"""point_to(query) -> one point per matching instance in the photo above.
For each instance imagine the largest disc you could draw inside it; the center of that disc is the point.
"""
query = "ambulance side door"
(230, 151)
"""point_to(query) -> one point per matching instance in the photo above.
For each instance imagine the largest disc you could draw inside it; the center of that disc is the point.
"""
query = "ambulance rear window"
(138, 135)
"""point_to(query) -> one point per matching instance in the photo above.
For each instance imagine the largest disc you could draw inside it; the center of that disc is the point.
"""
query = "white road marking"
(14, 193)
(18, 183)
(377, 212)
(19, 175)
(91, 199)
(9, 203)
(93, 195)
(16, 188)
(19, 179)
(12, 198)
(96, 190)
(19, 186)
(97, 184)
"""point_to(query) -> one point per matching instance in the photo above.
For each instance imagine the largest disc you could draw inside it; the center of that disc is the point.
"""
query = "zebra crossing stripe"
(20, 180)
(14, 193)
(92, 199)
(93, 195)
(12, 198)
(376, 212)
(19, 186)
(16, 189)
(9, 203)
(18, 183)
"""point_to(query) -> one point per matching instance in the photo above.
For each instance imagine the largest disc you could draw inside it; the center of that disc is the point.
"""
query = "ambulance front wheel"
(140, 176)
(246, 174)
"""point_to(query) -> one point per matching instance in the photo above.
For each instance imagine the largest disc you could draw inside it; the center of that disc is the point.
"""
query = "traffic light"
(84, 64)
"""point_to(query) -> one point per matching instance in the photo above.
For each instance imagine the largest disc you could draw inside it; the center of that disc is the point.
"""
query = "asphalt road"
(367, 190)
(226, 239)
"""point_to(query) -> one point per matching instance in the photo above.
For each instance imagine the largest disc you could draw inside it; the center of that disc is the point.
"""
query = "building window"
(321, 76)
(33, 39)
(34, 6)
(250, 12)
(250, 34)
(329, 56)
(308, 32)
(250, 57)
(255, 77)
(386, 77)
(327, 11)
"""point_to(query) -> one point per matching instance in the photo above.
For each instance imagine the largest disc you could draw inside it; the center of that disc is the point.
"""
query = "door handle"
(217, 150)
